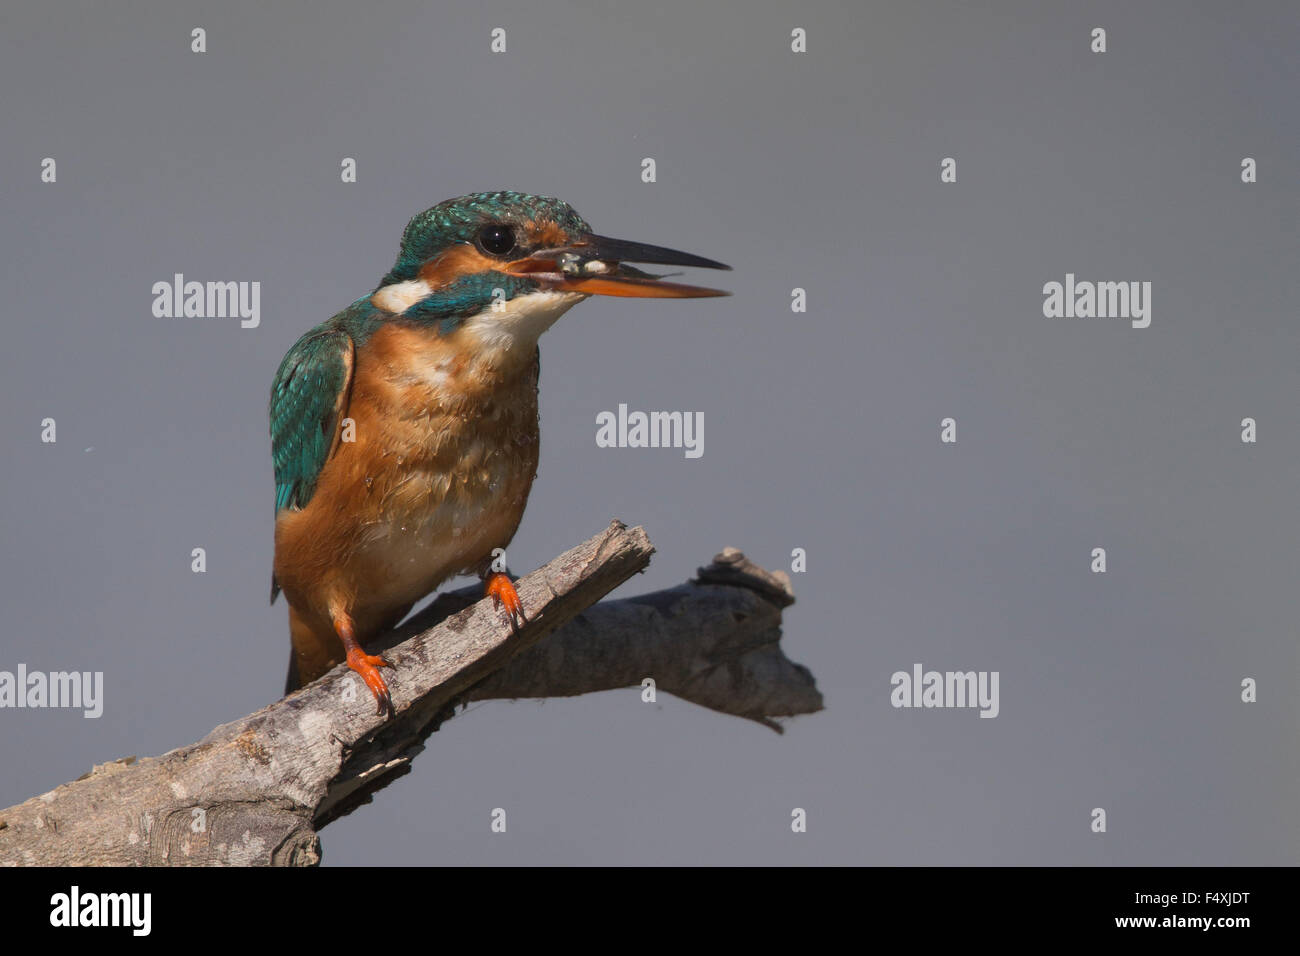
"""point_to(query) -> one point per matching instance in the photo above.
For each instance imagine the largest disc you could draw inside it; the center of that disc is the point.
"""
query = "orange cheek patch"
(456, 262)
(463, 260)
(545, 235)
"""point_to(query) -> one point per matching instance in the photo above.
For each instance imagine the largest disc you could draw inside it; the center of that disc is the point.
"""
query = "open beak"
(596, 265)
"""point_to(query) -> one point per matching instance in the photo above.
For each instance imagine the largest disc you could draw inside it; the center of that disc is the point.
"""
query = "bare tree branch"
(257, 790)
(714, 641)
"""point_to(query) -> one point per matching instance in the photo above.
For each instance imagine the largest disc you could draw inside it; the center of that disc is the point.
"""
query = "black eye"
(496, 239)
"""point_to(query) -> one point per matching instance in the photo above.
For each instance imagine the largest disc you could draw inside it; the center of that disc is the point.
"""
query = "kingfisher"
(404, 431)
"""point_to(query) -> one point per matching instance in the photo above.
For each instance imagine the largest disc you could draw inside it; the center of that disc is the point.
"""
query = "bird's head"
(509, 264)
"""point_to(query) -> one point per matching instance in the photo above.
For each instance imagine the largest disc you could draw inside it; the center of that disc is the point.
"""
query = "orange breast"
(444, 455)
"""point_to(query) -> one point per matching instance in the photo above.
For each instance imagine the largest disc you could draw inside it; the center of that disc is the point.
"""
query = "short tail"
(291, 682)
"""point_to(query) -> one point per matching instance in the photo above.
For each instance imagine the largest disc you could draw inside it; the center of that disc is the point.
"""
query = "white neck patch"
(400, 296)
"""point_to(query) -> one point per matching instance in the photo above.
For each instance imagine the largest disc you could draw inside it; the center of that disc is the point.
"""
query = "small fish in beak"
(596, 265)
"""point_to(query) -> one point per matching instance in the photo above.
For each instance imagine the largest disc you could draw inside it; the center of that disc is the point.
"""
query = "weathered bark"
(257, 790)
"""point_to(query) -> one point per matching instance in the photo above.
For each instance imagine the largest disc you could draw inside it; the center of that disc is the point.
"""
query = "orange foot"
(367, 665)
(499, 587)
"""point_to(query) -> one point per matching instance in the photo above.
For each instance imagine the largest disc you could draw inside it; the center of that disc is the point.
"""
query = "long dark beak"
(596, 265)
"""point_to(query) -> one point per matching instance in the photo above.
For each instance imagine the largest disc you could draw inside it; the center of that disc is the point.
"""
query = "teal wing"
(308, 399)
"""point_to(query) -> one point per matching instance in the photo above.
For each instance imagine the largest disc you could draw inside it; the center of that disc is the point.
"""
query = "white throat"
(521, 320)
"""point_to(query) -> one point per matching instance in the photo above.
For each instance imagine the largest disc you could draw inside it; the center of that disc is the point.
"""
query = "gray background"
(818, 170)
